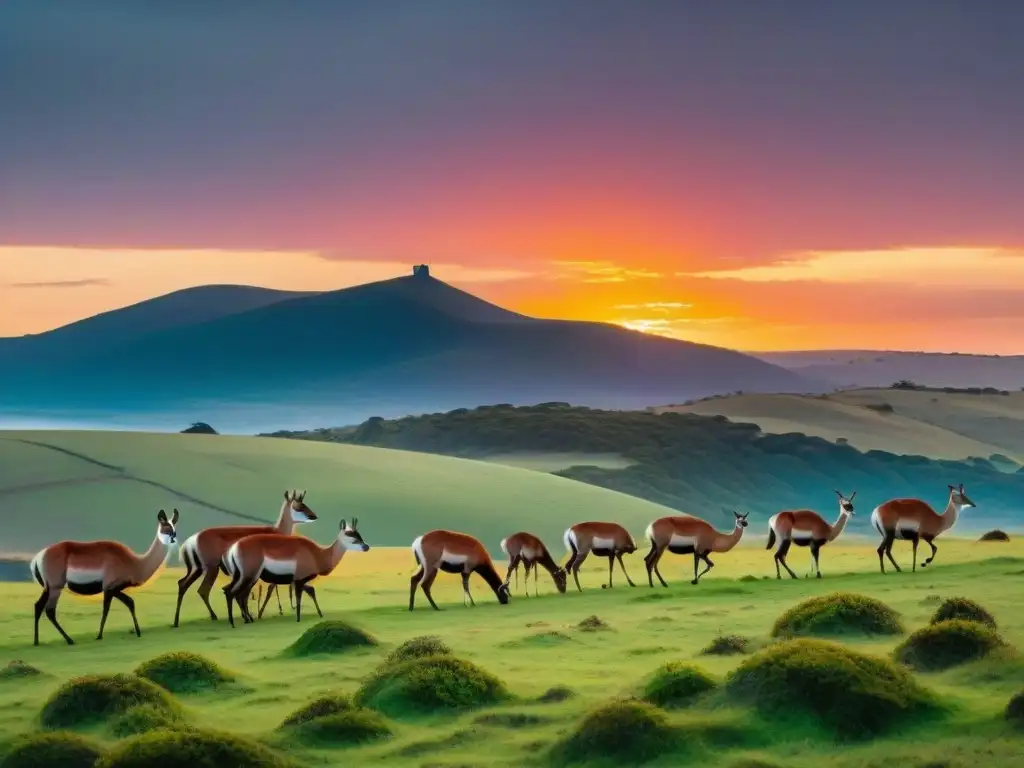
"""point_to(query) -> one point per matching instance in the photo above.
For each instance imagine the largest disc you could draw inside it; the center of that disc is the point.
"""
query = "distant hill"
(865, 368)
(405, 345)
(699, 464)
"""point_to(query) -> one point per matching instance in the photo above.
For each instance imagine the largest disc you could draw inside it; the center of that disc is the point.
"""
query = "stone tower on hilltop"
(421, 270)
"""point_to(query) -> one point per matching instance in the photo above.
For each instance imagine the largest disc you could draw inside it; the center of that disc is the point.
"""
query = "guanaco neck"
(329, 557)
(150, 562)
(950, 516)
(488, 574)
(284, 523)
(726, 541)
(548, 562)
(840, 524)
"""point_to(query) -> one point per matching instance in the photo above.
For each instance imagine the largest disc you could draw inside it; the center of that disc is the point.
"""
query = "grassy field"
(553, 461)
(536, 644)
(87, 485)
(926, 423)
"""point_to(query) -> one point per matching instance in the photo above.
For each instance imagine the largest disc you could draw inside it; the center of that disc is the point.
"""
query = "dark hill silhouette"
(411, 343)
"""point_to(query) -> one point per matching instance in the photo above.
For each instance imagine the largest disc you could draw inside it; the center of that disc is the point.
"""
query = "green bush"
(727, 645)
(184, 672)
(424, 645)
(627, 732)
(143, 719)
(851, 694)
(191, 749)
(838, 614)
(963, 608)
(328, 637)
(93, 698)
(1015, 709)
(676, 685)
(947, 644)
(319, 707)
(428, 684)
(351, 727)
(57, 749)
(556, 695)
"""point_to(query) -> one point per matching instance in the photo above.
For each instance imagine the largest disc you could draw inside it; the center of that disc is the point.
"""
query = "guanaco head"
(503, 593)
(561, 579)
(166, 530)
(958, 497)
(846, 504)
(300, 512)
(350, 538)
(741, 520)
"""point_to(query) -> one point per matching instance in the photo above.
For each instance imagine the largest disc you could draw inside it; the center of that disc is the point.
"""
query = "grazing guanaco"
(281, 559)
(684, 535)
(204, 553)
(806, 529)
(916, 521)
(94, 567)
(609, 540)
(453, 552)
(527, 549)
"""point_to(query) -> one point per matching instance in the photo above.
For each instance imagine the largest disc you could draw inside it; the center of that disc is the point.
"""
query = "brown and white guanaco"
(453, 552)
(526, 549)
(685, 535)
(915, 521)
(806, 528)
(95, 567)
(281, 559)
(204, 553)
(609, 540)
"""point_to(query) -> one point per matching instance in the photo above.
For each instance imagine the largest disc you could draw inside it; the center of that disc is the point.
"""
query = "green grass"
(128, 476)
(532, 726)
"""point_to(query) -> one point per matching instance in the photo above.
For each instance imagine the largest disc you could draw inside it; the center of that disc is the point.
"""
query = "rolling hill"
(410, 344)
(87, 485)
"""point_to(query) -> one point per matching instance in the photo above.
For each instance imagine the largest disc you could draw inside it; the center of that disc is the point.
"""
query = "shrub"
(354, 726)
(995, 535)
(320, 707)
(628, 732)
(184, 672)
(330, 637)
(18, 670)
(424, 645)
(143, 719)
(851, 694)
(838, 614)
(947, 644)
(557, 694)
(85, 700)
(428, 684)
(962, 608)
(190, 749)
(676, 685)
(727, 645)
(1015, 709)
(56, 749)
(593, 624)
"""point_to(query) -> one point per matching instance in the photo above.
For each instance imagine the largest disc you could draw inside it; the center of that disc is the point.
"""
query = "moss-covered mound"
(1015, 710)
(947, 644)
(840, 613)
(727, 645)
(417, 647)
(184, 672)
(963, 608)
(429, 684)
(94, 698)
(676, 685)
(324, 706)
(57, 749)
(593, 624)
(627, 732)
(853, 695)
(330, 637)
(18, 670)
(143, 719)
(191, 749)
(995, 535)
(352, 727)
(556, 695)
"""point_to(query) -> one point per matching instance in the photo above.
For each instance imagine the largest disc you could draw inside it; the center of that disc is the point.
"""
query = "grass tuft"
(947, 644)
(57, 749)
(676, 685)
(593, 624)
(417, 647)
(324, 706)
(841, 613)
(430, 684)
(143, 719)
(556, 695)
(727, 645)
(329, 637)
(851, 694)
(90, 699)
(1015, 709)
(191, 749)
(18, 670)
(184, 672)
(963, 608)
(346, 728)
(995, 535)
(627, 732)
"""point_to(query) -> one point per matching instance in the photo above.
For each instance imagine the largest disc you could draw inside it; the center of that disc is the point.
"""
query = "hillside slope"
(86, 485)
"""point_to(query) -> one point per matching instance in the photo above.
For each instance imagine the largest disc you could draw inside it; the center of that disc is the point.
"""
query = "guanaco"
(526, 549)
(916, 521)
(685, 535)
(453, 552)
(280, 559)
(94, 567)
(205, 552)
(609, 540)
(806, 528)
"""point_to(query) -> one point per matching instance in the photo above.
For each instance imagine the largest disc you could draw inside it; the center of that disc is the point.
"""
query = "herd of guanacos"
(271, 554)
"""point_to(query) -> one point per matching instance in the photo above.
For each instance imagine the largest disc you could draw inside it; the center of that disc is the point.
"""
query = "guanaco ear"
(961, 487)
(355, 523)
(302, 496)
(952, 488)
(851, 496)
(738, 515)
(342, 526)
(161, 516)
(174, 517)
(287, 495)
(840, 495)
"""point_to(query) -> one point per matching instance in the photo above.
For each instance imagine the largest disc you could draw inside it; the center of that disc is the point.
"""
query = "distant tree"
(199, 428)
(904, 384)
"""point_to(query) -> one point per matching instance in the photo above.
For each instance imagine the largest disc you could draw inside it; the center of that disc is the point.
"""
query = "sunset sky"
(783, 175)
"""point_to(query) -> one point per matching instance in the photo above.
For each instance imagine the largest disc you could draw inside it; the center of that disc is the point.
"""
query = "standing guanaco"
(806, 528)
(609, 540)
(94, 567)
(527, 549)
(684, 535)
(915, 520)
(453, 552)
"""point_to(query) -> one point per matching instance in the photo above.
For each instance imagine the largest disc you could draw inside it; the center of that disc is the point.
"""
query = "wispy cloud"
(87, 282)
(600, 272)
(656, 306)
